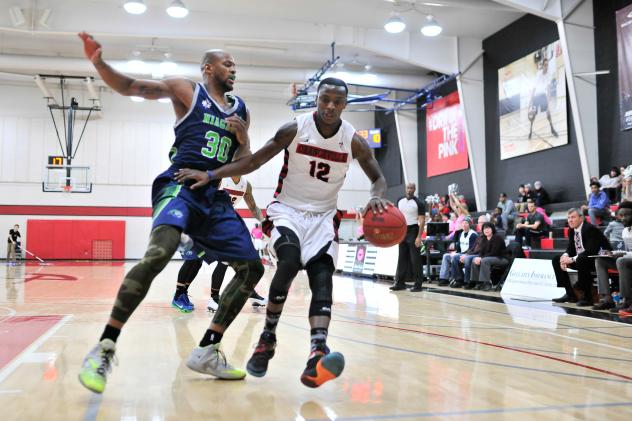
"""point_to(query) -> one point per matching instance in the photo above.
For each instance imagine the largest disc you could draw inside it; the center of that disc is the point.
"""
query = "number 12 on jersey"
(319, 170)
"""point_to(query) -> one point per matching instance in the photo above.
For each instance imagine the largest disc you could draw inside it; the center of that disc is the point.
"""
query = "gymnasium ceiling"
(279, 34)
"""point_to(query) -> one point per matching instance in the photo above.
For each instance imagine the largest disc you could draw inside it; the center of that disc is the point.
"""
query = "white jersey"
(314, 167)
(235, 190)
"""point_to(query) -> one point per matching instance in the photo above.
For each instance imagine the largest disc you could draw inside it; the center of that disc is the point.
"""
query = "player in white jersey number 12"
(303, 219)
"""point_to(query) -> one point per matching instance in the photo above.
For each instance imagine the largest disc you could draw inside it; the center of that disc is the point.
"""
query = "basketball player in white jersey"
(238, 188)
(303, 219)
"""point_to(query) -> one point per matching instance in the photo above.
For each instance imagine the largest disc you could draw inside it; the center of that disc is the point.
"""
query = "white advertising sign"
(532, 279)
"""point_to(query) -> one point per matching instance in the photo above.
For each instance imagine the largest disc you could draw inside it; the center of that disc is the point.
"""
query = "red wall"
(72, 239)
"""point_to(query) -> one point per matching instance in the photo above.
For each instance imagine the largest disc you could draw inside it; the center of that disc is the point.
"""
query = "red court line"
(18, 332)
(536, 354)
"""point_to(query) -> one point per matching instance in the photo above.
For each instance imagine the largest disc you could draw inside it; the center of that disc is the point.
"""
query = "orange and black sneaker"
(322, 366)
(264, 351)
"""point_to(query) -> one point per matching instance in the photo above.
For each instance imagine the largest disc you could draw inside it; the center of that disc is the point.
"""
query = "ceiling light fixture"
(394, 25)
(177, 9)
(137, 98)
(431, 28)
(168, 66)
(135, 7)
(136, 65)
(164, 100)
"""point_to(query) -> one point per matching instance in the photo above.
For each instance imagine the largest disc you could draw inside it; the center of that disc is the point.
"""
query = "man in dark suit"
(584, 240)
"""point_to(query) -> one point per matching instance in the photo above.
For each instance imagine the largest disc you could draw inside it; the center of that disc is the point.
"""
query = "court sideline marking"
(23, 356)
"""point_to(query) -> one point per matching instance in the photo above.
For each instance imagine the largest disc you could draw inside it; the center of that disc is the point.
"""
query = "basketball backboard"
(67, 179)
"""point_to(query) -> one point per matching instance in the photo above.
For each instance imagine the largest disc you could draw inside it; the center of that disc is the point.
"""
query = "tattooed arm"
(179, 90)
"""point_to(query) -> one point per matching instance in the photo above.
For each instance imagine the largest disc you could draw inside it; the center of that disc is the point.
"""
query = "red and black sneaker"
(264, 351)
(322, 366)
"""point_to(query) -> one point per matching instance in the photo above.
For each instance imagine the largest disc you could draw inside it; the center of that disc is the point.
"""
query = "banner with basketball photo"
(624, 50)
(532, 103)
(446, 147)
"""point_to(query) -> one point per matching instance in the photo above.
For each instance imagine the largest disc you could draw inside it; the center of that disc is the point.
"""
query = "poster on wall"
(624, 46)
(532, 103)
(446, 148)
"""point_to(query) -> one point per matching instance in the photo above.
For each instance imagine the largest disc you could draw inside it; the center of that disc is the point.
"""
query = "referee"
(409, 264)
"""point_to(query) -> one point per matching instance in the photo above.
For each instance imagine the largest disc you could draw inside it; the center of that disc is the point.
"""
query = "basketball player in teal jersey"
(302, 221)
(210, 127)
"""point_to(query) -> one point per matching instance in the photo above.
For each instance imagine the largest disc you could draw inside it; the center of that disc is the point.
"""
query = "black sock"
(110, 332)
(272, 320)
(211, 337)
(215, 292)
(318, 339)
(181, 289)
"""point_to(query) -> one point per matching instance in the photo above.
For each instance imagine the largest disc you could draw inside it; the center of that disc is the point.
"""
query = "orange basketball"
(385, 229)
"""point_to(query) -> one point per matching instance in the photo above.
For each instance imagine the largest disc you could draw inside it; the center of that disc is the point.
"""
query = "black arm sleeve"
(421, 206)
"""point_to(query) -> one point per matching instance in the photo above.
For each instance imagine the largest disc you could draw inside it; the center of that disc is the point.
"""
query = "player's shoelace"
(107, 358)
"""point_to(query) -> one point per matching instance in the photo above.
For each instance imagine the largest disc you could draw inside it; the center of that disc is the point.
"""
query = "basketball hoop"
(67, 189)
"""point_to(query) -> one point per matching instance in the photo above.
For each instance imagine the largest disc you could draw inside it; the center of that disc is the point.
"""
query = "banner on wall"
(624, 49)
(446, 148)
(532, 103)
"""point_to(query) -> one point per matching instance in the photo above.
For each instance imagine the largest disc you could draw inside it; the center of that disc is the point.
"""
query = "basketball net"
(67, 189)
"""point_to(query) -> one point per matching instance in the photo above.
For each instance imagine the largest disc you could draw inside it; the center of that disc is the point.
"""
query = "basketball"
(385, 229)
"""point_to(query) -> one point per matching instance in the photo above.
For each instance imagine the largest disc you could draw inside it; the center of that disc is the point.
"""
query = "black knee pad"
(320, 274)
(288, 252)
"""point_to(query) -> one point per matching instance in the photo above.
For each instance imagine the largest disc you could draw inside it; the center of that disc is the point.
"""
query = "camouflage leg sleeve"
(238, 290)
(162, 244)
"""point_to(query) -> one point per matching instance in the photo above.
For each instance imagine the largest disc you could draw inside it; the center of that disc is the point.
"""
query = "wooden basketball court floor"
(409, 355)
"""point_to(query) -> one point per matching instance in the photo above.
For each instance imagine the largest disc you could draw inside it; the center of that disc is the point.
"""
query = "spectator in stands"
(508, 214)
(436, 218)
(409, 261)
(466, 261)
(492, 253)
(521, 203)
(584, 240)
(460, 209)
(626, 184)
(598, 204)
(620, 260)
(540, 196)
(453, 226)
(534, 227)
(613, 233)
(610, 184)
(464, 241)
(528, 191)
(480, 221)
(497, 219)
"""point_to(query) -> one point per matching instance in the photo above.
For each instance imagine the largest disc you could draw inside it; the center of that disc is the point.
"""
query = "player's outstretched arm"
(280, 141)
(252, 205)
(371, 168)
(128, 86)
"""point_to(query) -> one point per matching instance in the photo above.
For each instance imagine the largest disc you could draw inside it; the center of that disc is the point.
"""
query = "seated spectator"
(460, 209)
(620, 260)
(598, 204)
(610, 184)
(508, 214)
(614, 231)
(466, 260)
(436, 218)
(480, 221)
(626, 185)
(492, 253)
(584, 240)
(528, 191)
(464, 241)
(496, 218)
(445, 218)
(453, 226)
(521, 203)
(534, 227)
(540, 196)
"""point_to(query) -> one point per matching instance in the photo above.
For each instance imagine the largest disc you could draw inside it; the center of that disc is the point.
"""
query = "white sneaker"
(212, 304)
(211, 360)
(257, 300)
(97, 365)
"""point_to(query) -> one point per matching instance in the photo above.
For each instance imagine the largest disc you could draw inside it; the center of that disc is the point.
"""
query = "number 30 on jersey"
(217, 147)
